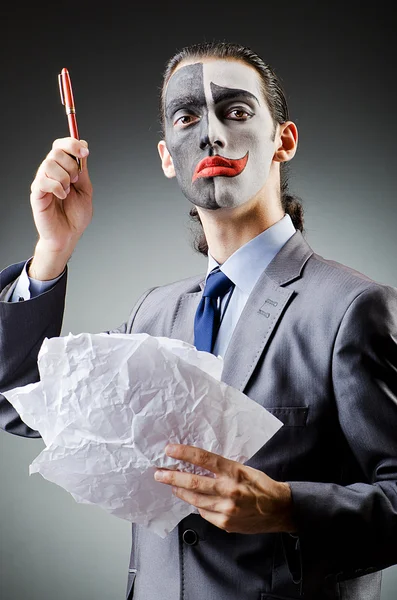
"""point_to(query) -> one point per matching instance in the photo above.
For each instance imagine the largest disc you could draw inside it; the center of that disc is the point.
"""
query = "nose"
(205, 141)
(211, 134)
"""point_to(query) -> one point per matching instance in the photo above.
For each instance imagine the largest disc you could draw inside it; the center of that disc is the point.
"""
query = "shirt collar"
(245, 265)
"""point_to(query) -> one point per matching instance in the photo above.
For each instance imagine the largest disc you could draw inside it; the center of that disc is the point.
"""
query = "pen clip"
(61, 89)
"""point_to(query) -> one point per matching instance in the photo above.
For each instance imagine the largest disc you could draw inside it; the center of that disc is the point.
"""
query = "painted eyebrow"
(182, 102)
(223, 93)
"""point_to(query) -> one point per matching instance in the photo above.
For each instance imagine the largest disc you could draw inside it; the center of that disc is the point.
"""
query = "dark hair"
(276, 101)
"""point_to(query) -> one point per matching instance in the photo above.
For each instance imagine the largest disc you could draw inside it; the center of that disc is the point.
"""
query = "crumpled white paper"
(106, 406)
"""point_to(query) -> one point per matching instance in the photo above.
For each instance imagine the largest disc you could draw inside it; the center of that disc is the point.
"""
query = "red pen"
(65, 88)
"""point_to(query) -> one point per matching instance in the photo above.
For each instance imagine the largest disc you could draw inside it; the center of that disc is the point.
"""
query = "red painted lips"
(213, 166)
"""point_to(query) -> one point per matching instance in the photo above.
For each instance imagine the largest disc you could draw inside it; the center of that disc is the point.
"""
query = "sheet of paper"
(107, 405)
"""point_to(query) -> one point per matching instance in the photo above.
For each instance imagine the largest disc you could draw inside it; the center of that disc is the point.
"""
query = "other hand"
(238, 498)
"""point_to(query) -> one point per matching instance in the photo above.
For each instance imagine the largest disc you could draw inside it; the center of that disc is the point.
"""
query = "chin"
(228, 203)
(210, 200)
(209, 204)
(204, 200)
(227, 200)
(216, 204)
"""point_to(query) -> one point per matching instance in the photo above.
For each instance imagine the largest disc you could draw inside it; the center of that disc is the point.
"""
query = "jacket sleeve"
(352, 530)
(23, 327)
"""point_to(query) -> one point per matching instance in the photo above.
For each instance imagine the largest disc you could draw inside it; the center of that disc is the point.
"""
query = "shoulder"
(344, 281)
(326, 287)
(366, 307)
(337, 271)
(156, 308)
(173, 290)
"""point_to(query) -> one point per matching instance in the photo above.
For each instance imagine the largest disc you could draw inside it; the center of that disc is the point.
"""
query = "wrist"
(47, 264)
(284, 502)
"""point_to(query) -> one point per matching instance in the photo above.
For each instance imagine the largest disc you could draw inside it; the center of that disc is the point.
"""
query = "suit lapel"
(265, 307)
(260, 316)
(183, 323)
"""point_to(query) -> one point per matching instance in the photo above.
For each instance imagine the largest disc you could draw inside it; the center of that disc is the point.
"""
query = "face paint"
(218, 132)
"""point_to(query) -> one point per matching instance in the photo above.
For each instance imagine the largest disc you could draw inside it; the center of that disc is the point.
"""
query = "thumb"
(84, 160)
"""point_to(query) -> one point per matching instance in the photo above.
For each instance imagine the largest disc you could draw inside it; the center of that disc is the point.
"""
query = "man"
(314, 512)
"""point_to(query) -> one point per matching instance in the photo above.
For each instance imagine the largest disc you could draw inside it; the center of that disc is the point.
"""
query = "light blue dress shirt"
(243, 267)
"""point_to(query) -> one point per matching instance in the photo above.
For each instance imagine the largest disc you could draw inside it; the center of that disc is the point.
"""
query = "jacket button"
(190, 537)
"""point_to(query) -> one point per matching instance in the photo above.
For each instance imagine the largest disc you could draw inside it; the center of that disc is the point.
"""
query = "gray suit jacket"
(316, 344)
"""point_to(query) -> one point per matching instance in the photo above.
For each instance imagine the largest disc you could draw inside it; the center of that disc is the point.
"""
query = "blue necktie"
(207, 319)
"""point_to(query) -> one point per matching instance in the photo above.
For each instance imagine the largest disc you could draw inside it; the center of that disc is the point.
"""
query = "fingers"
(200, 491)
(220, 520)
(54, 178)
(83, 160)
(199, 483)
(213, 504)
(69, 145)
(59, 169)
(65, 148)
(202, 458)
(190, 487)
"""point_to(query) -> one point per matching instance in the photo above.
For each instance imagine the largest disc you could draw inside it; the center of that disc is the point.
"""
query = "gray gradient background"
(336, 63)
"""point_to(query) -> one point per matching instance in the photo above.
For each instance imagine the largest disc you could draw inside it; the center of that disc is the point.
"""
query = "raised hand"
(61, 201)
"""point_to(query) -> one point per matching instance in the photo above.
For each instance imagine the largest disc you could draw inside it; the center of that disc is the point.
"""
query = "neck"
(227, 229)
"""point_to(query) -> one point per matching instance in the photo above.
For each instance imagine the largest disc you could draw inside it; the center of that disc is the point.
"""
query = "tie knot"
(217, 284)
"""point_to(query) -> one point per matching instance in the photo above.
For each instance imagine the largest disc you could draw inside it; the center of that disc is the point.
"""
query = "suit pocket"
(130, 583)
(291, 416)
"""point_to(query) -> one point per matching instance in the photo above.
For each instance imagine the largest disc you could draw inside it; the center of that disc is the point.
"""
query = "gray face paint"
(216, 109)
(185, 96)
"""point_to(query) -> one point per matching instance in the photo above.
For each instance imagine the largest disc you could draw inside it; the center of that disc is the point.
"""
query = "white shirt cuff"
(27, 287)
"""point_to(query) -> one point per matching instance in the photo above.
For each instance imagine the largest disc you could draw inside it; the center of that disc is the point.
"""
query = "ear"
(286, 141)
(166, 160)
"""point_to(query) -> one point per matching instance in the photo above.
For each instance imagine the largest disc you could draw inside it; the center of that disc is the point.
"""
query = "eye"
(238, 114)
(185, 120)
